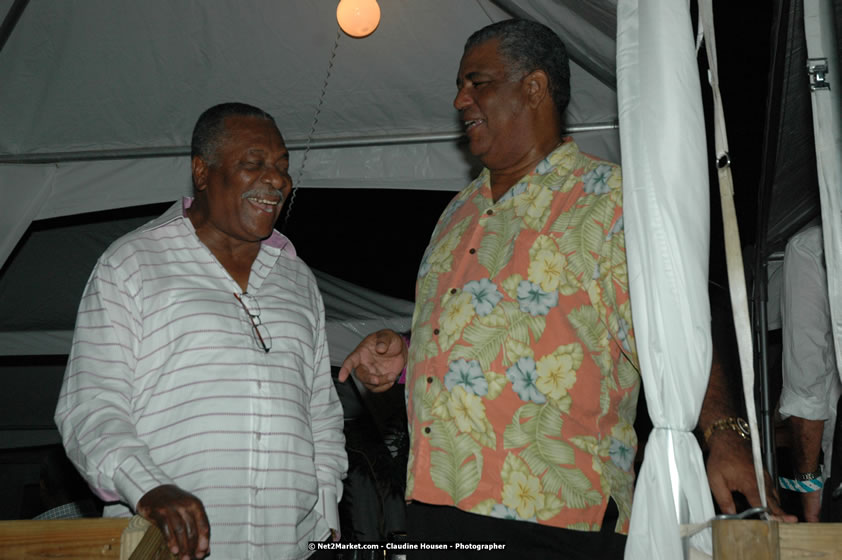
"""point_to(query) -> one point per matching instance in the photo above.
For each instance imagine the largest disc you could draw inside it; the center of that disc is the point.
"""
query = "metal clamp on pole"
(817, 69)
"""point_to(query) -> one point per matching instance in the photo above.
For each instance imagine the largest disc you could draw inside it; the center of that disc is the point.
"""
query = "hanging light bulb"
(358, 18)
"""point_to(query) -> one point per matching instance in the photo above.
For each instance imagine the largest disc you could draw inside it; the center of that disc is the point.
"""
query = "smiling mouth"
(267, 205)
(473, 123)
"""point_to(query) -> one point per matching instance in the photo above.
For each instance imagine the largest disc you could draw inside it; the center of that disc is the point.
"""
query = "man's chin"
(263, 231)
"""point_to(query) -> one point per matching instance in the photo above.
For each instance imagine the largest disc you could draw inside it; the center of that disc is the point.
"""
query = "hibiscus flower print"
(523, 375)
(502, 512)
(457, 313)
(546, 269)
(544, 167)
(621, 454)
(484, 295)
(596, 181)
(557, 371)
(534, 300)
(533, 203)
(468, 374)
(467, 410)
(522, 493)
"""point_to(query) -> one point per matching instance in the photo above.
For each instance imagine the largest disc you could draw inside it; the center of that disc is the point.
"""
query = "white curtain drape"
(662, 139)
(827, 130)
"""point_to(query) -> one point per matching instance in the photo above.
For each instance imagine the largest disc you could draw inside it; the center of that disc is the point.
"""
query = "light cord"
(312, 132)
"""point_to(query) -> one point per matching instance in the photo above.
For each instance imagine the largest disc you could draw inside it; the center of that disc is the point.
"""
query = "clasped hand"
(376, 361)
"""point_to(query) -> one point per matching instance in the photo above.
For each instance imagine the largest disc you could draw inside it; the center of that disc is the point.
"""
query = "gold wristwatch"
(731, 423)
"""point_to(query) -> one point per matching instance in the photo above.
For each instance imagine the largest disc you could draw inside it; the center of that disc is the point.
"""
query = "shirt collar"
(562, 157)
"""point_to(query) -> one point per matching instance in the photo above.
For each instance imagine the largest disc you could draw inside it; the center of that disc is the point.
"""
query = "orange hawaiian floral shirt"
(522, 379)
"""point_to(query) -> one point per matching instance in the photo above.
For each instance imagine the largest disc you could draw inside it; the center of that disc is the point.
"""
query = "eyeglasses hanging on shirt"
(252, 308)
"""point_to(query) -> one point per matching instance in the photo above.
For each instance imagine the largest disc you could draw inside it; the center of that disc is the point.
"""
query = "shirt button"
(435, 331)
(427, 430)
(259, 436)
(430, 379)
(472, 251)
(259, 384)
(453, 290)
(490, 212)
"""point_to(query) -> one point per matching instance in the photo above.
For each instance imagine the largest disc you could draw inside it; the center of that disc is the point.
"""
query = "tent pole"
(11, 20)
(291, 144)
(767, 411)
(771, 143)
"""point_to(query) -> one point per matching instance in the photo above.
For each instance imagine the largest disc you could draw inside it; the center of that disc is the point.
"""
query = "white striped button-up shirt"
(167, 384)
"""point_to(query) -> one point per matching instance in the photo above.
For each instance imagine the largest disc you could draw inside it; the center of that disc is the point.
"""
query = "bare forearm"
(719, 400)
(806, 443)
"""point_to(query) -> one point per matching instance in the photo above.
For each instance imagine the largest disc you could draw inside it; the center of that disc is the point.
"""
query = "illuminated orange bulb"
(358, 18)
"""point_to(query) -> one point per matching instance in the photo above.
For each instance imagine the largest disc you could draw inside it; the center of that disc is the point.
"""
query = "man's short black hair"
(209, 132)
(527, 46)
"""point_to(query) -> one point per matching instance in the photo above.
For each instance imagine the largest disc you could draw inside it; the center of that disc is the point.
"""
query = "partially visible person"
(64, 494)
(811, 386)
(722, 423)
(522, 376)
(198, 391)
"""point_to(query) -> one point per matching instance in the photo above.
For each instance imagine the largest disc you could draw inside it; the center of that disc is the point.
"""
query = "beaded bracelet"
(803, 482)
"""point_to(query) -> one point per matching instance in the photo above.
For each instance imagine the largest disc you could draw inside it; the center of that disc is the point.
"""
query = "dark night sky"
(743, 32)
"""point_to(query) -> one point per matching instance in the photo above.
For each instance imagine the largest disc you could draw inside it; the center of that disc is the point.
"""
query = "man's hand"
(377, 360)
(181, 518)
(730, 468)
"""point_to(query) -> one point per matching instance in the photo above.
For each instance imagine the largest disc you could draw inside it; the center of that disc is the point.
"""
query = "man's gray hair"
(210, 133)
(527, 46)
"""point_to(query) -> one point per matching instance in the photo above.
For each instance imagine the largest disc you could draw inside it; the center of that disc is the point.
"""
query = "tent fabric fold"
(827, 128)
(666, 212)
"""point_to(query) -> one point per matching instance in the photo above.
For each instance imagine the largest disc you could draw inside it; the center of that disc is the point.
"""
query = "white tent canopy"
(105, 93)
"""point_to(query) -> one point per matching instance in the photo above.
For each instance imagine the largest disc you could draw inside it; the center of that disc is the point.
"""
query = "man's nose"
(271, 176)
(461, 100)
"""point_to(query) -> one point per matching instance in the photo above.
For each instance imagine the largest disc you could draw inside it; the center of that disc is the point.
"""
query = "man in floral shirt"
(522, 376)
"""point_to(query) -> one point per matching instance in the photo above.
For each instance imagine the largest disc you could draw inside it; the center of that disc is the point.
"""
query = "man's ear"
(200, 173)
(537, 85)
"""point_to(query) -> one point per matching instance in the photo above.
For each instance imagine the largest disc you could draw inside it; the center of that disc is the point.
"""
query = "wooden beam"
(741, 539)
(83, 539)
(69, 539)
(817, 541)
(143, 541)
(770, 540)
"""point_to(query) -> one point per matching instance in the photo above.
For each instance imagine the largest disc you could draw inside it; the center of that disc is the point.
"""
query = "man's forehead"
(249, 122)
(252, 129)
(482, 57)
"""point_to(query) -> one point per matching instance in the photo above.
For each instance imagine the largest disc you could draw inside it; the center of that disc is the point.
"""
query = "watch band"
(735, 423)
(809, 476)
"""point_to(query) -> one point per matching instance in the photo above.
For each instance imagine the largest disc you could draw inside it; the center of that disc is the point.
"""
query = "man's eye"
(253, 164)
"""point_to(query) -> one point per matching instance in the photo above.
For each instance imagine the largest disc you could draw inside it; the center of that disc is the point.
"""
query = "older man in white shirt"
(198, 391)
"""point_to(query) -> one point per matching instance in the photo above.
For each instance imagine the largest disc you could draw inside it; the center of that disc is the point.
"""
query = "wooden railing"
(769, 540)
(83, 539)
(136, 539)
